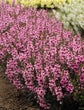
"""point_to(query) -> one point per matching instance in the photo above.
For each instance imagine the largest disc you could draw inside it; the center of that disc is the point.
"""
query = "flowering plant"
(40, 55)
(39, 3)
(43, 3)
(72, 15)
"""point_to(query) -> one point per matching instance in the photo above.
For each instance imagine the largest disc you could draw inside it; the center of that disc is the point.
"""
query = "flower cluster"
(39, 54)
(39, 3)
(72, 15)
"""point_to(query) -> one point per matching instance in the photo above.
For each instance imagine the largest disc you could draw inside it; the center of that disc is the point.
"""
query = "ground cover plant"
(41, 57)
(39, 3)
(72, 15)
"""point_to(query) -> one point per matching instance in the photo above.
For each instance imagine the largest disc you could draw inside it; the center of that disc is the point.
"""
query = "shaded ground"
(50, 13)
(10, 98)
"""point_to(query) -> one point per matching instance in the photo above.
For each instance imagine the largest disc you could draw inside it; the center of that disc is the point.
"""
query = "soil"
(50, 13)
(11, 98)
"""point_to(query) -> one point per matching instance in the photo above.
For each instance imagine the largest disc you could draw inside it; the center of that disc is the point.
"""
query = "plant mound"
(40, 56)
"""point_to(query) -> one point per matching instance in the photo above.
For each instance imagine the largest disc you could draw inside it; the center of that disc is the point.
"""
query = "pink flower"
(39, 54)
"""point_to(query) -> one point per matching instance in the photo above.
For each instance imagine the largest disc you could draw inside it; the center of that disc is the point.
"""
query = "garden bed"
(44, 61)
